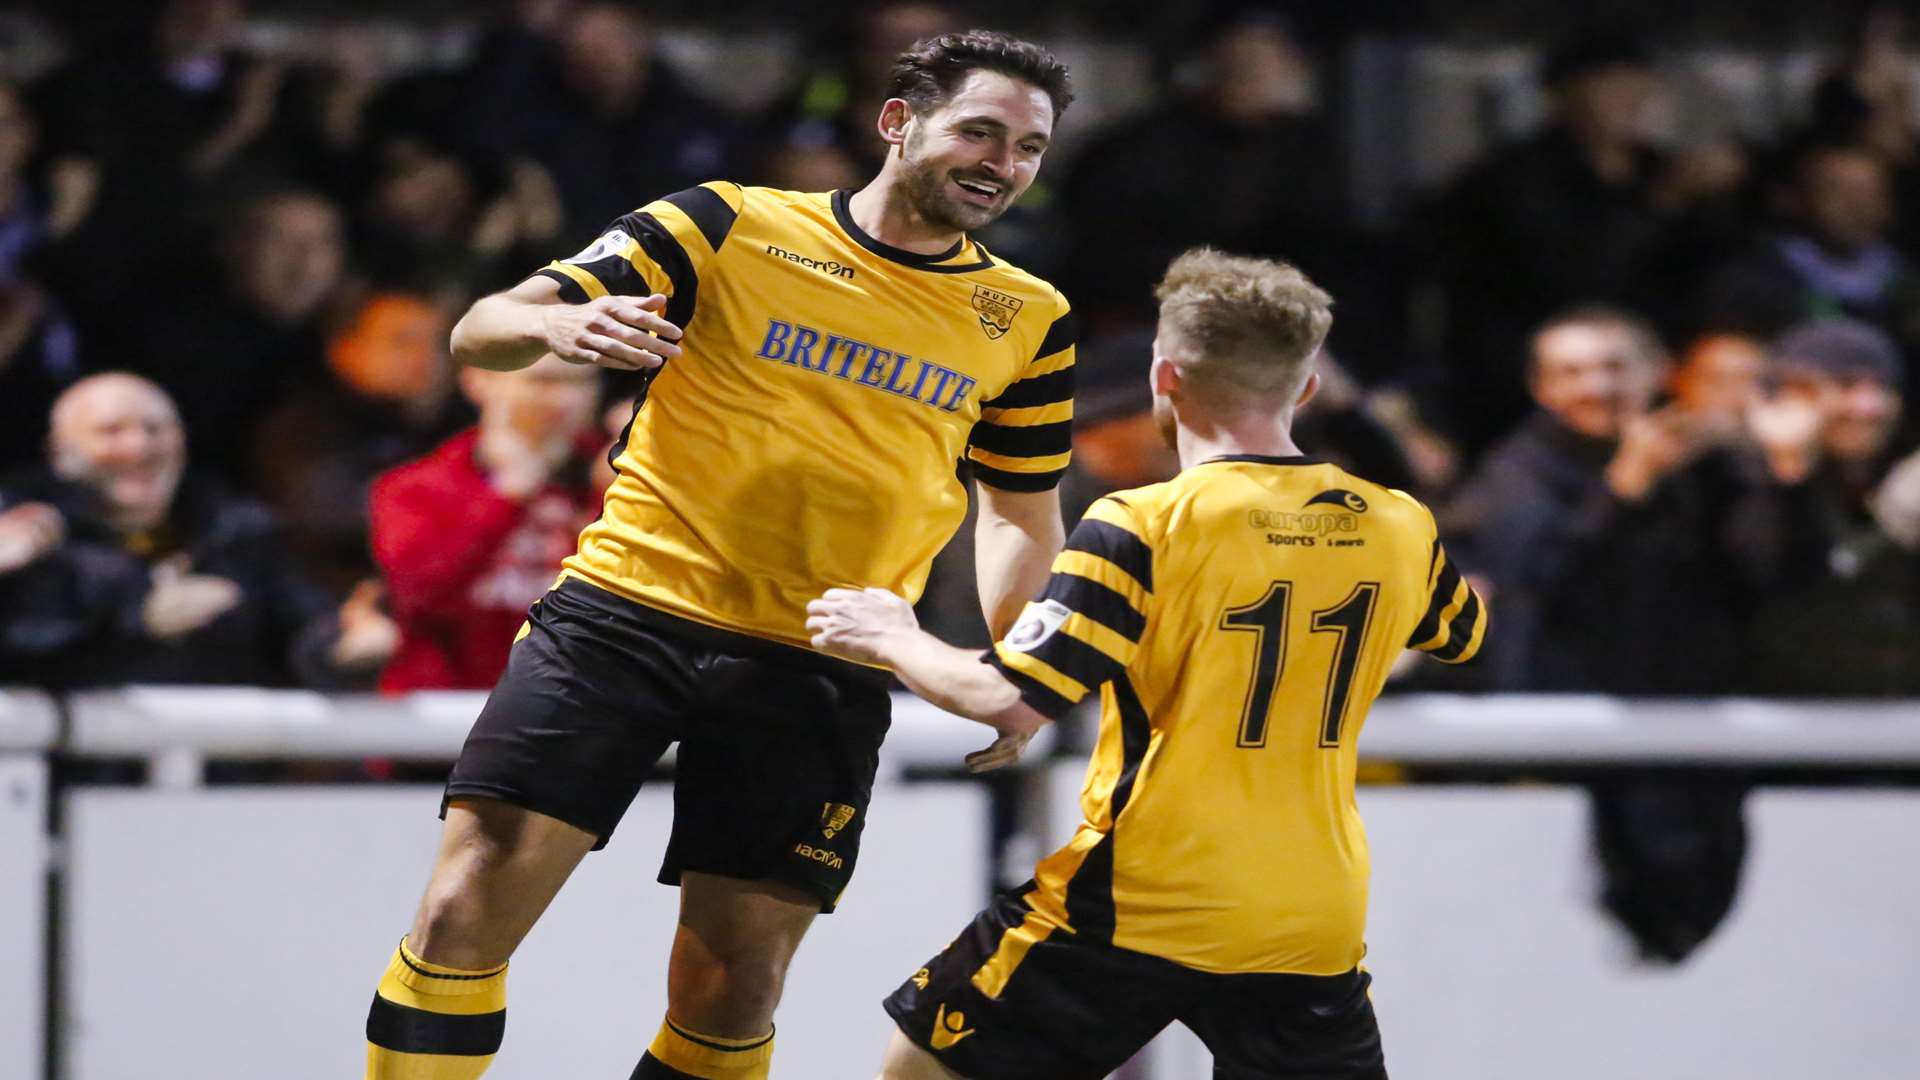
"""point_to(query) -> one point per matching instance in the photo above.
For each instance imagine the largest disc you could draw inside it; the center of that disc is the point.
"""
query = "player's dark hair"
(930, 73)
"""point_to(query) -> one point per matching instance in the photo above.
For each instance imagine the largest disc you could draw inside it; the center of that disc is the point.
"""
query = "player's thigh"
(907, 1061)
(1011, 999)
(498, 868)
(773, 781)
(590, 700)
(1288, 1027)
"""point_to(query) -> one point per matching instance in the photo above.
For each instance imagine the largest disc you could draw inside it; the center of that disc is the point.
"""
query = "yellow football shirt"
(832, 394)
(1238, 621)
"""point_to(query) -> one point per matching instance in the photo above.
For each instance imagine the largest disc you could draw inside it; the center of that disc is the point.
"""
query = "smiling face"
(119, 434)
(963, 164)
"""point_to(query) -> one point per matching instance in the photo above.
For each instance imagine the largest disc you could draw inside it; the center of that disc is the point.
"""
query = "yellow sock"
(677, 1052)
(433, 1022)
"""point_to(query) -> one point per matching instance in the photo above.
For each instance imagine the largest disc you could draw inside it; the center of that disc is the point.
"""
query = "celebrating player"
(1238, 620)
(816, 365)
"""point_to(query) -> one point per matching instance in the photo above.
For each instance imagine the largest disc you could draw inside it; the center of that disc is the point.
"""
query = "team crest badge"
(834, 817)
(996, 310)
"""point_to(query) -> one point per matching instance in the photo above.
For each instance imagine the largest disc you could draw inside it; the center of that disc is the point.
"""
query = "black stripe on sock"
(407, 1030)
(652, 1068)
(711, 1045)
(436, 975)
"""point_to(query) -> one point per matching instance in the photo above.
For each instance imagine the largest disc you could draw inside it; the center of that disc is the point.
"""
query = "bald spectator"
(135, 570)
(471, 535)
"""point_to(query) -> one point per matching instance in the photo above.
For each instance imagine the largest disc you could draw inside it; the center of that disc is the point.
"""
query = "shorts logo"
(834, 817)
(1038, 622)
(830, 860)
(996, 309)
(922, 977)
(613, 243)
(949, 1028)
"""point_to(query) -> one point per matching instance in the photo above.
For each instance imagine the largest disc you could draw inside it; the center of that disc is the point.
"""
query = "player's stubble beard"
(924, 182)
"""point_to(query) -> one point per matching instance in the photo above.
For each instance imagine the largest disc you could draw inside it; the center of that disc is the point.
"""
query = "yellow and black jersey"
(1238, 621)
(832, 394)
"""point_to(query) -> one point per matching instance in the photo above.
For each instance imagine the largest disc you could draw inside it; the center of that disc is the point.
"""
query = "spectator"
(614, 120)
(1718, 381)
(473, 534)
(139, 571)
(1237, 158)
(1851, 625)
(1580, 213)
(387, 396)
(1831, 257)
(1624, 549)
(38, 350)
(225, 356)
(834, 106)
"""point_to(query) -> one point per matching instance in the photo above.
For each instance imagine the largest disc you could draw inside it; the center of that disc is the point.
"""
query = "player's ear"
(1163, 377)
(1310, 388)
(895, 115)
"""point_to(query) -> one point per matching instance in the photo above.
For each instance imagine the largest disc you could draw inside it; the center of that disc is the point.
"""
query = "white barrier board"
(1492, 963)
(235, 934)
(23, 902)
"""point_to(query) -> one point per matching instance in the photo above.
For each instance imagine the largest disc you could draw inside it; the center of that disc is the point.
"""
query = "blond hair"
(1254, 325)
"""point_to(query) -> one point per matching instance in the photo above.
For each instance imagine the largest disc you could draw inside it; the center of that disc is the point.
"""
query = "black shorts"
(1068, 1010)
(778, 745)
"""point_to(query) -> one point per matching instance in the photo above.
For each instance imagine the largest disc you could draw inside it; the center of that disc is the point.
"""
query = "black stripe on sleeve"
(570, 290)
(1061, 335)
(1032, 691)
(407, 1030)
(1015, 481)
(1443, 591)
(1117, 546)
(1097, 602)
(1462, 630)
(663, 248)
(1039, 440)
(1038, 390)
(1076, 659)
(710, 213)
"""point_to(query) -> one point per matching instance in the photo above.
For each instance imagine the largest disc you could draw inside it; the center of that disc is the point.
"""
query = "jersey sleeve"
(1085, 628)
(1025, 435)
(1455, 622)
(661, 247)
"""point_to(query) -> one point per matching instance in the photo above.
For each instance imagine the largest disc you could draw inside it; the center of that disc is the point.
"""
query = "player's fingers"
(642, 319)
(655, 302)
(640, 338)
(610, 352)
(839, 594)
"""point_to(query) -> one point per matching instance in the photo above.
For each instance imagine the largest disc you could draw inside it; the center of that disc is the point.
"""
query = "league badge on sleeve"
(615, 242)
(1038, 622)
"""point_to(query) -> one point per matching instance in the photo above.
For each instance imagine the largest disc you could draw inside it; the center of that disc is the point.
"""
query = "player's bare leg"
(441, 1008)
(731, 951)
(499, 867)
(729, 964)
(905, 1061)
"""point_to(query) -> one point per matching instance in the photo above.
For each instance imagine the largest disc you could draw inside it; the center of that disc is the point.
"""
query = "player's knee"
(735, 993)
(453, 927)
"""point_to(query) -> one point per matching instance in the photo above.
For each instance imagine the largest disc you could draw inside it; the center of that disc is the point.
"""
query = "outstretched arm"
(1018, 534)
(509, 330)
(874, 626)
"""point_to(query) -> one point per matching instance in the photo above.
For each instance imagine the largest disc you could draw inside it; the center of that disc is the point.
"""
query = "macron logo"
(825, 266)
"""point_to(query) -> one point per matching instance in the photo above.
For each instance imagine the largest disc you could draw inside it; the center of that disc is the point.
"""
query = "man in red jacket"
(472, 534)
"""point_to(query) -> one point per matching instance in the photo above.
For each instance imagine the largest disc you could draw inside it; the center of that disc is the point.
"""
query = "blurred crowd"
(1657, 398)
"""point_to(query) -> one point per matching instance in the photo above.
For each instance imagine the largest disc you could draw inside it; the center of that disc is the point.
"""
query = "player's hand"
(1005, 751)
(181, 602)
(853, 623)
(27, 532)
(620, 332)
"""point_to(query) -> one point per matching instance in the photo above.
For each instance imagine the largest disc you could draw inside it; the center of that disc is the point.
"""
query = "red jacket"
(463, 562)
